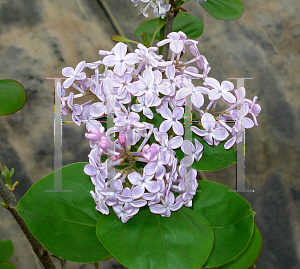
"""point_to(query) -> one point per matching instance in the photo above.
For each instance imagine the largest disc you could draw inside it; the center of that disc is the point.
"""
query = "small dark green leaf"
(249, 256)
(7, 265)
(6, 250)
(12, 96)
(224, 9)
(150, 241)
(119, 38)
(191, 25)
(64, 222)
(213, 158)
(231, 218)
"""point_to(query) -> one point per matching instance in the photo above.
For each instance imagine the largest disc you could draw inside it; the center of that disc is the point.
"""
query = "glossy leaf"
(191, 25)
(224, 9)
(64, 222)
(7, 265)
(230, 217)
(6, 250)
(150, 241)
(213, 158)
(249, 256)
(148, 27)
(12, 96)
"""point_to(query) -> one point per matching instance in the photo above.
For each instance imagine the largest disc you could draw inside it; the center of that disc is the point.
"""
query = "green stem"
(145, 39)
(169, 23)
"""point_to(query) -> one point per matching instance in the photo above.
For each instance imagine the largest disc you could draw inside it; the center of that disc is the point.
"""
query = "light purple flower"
(219, 91)
(241, 122)
(73, 74)
(254, 109)
(168, 205)
(172, 120)
(193, 152)
(124, 84)
(211, 131)
(142, 183)
(120, 60)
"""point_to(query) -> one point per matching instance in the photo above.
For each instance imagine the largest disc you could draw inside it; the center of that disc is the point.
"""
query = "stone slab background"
(40, 37)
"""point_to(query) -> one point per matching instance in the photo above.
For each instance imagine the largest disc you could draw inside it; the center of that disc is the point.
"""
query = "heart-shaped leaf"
(64, 222)
(224, 9)
(150, 241)
(213, 158)
(249, 256)
(7, 265)
(230, 217)
(12, 96)
(6, 250)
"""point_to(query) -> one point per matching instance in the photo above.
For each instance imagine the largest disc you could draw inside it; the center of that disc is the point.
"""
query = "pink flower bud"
(122, 140)
(103, 143)
(93, 134)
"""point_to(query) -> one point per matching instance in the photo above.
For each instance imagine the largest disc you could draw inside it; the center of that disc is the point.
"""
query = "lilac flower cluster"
(141, 97)
(160, 7)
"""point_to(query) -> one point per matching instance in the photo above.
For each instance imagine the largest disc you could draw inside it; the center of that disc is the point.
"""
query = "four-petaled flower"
(172, 120)
(120, 60)
(211, 131)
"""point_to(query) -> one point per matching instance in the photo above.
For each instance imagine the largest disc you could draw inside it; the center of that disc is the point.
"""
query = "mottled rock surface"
(39, 38)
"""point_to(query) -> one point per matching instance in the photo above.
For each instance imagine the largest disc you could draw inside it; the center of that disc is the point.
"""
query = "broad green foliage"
(6, 250)
(150, 241)
(213, 158)
(230, 217)
(64, 222)
(12, 96)
(224, 9)
(7, 265)
(191, 25)
(249, 256)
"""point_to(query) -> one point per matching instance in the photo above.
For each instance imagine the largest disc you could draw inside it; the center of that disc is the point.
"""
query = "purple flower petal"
(220, 133)
(208, 121)
(165, 126)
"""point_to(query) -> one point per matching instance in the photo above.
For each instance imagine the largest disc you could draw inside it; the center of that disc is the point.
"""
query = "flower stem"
(169, 22)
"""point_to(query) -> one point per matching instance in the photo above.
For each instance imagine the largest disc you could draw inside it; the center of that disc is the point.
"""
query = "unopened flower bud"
(122, 140)
(93, 134)
(103, 143)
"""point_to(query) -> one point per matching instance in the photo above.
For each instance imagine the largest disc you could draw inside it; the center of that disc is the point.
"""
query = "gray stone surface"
(39, 38)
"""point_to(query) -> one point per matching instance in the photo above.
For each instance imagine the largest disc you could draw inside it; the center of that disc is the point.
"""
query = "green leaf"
(191, 25)
(249, 256)
(230, 217)
(150, 241)
(160, 24)
(6, 250)
(224, 9)
(148, 27)
(64, 222)
(213, 158)
(7, 265)
(120, 38)
(12, 96)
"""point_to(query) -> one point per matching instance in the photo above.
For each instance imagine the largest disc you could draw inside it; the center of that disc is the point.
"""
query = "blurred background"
(40, 37)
